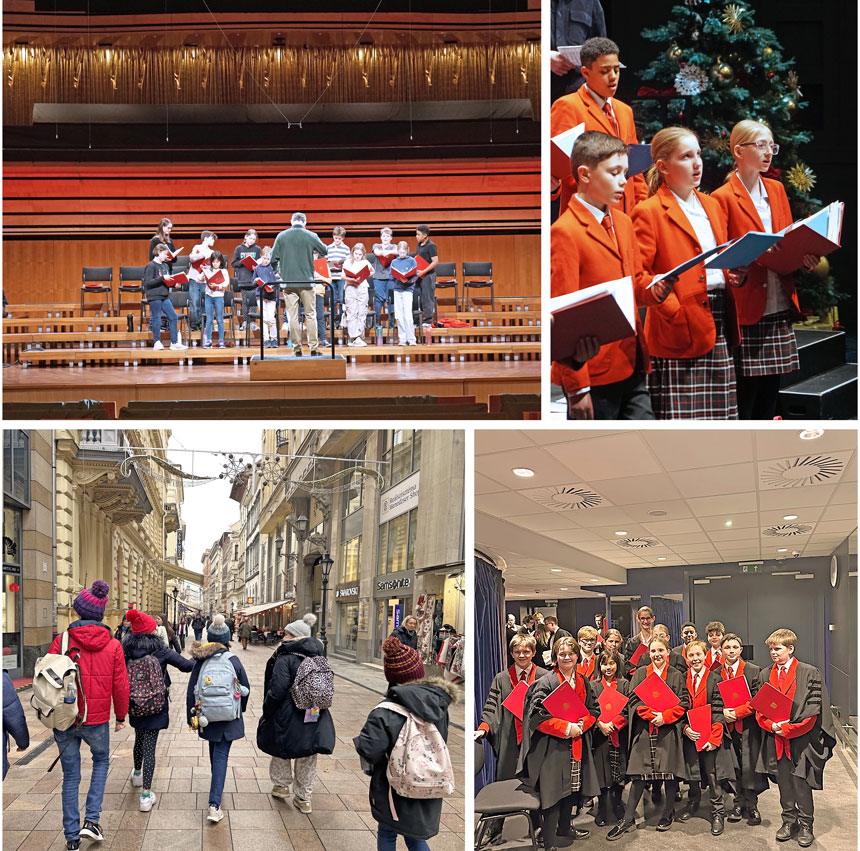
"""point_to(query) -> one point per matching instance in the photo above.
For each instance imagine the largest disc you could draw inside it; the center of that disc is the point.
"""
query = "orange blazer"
(682, 326)
(579, 107)
(584, 254)
(742, 217)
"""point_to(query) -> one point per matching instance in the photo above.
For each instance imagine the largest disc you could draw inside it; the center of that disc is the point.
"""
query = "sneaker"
(222, 345)
(92, 831)
(302, 806)
(215, 813)
(73, 844)
(177, 347)
(147, 800)
(297, 353)
(282, 792)
(137, 778)
(316, 353)
(159, 346)
(358, 341)
(255, 326)
(205, 346)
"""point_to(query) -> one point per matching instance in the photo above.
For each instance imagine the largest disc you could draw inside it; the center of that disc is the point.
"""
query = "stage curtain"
(198, 75)
(671, 613)
(489, 648)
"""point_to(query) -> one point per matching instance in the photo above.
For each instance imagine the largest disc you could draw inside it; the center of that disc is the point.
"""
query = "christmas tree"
(715, 67)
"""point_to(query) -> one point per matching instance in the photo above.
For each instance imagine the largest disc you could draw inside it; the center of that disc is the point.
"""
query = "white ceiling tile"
(835, 526)
(620, 454)
(839, 512)
(676, 509)
(505, 505)
(499, 467)
(739, 521)
(572, 536)
(672, 527)
(684, 538)
(726, 504)
(793, 498)
(845, 493)
(719, 536)
(808, 514)
(544, 438)
(593, 517)
(638, 489)
(680, 449)
(486, 485)
(551, 521)
(632, 530)
(786, 443)
(709, 481)
(500, 440)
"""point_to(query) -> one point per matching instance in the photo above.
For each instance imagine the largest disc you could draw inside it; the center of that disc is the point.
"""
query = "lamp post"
(175, 597)
(326, 564)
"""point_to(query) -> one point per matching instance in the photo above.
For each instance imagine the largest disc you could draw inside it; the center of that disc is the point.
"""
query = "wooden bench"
(86, 409)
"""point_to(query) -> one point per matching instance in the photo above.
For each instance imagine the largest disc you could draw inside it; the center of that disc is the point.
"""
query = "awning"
(180, 572)
(263, 607)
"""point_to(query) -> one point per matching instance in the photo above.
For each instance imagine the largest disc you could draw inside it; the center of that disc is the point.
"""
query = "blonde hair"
(403, 244)
(660, 627)
(782, 636)
(661, 640)
(587, 632)
(696, 643)
(613, 632)
(356, 247)
(743, 132)
(568, 641)
(522, 640)
(386, 230)
(662, 145)
(266, 249)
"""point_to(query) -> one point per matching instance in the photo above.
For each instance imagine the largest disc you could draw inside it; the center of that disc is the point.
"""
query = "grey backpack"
(218, 689)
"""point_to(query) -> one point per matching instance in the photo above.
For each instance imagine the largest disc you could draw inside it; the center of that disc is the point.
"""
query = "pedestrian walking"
(197, 625)
(415, 709)
(182, 632)
(123, 629)
(245, 633)
(14, 721)
(231, 625)
(407, 633)
(161, 630)
(217, 696)
(103, 678)
(149, 693)
(296, 723)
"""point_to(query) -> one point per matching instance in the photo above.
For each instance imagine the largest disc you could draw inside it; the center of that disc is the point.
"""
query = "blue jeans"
(157, 306)
(337, 286)
(214, 304)
(386, 840)
(321, 320)
(218, 755)
(97, 736)
(382, 292)
(195, 304)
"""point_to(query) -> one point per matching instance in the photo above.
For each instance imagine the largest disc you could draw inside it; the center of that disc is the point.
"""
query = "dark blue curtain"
(671, 613)
(489, 648)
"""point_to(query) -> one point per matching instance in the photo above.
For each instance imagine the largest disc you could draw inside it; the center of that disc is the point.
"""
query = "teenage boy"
(103, 678)
(245, 276)
(587, 638)
(688, 634)
(199, 258)
(383, 293)
(743, 733)
(338, 252)
(595, 105)
(156, 278)
(427, 278)
(590, 244)
(794, 751)
(715, 631)
(555, 630)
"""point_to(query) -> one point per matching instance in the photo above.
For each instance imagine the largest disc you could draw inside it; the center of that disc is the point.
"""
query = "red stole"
(783, 744)
(700, 698)
(587, 669)
(662, 674)
(737, 726)
(515, 678)
(578, 684)
(613, 736)
(711, 663)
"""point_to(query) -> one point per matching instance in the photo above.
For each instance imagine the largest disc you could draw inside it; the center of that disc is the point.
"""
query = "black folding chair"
(446, 279)
(478, 276)
(97, 280)
(130, 281)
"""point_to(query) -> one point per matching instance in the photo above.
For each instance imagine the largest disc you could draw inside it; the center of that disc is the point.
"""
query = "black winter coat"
(138, 646)
(215, 731)
(282, 730)
(429, 699)
(410, 639)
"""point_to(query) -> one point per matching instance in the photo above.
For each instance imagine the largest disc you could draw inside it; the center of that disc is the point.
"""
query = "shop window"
(397, 543)
(350, 560)
(16, 466)
(402, 453)
(347, 634)
(12, 521)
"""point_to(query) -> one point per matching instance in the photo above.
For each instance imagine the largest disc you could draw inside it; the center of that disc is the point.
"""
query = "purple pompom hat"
(90, 604)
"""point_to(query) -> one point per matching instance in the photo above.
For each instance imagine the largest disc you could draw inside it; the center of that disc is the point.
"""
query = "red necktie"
(611, 116)
(523, 676)
(607, 226)
(781, 677)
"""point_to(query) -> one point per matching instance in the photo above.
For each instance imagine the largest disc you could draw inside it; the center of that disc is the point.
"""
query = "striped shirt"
(336, 255)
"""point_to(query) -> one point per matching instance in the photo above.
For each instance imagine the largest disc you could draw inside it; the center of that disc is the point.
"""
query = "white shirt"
(599, 99)
(731, 670)
(696, 679)
(697, 217)
(521, 671)
(595, 211)
(776, 299)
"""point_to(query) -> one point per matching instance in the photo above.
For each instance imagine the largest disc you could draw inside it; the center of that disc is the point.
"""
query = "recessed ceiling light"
(657, 512)
(594, 580)
(789, 517)
(621, 532)
(524, 472)
(563, 589)
(782, 550)
(555, 569)
(727, 523)
(811, 433)
(661, 558)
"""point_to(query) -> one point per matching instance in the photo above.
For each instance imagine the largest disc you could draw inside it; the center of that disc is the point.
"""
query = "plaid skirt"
(615, 765)
(769, 347)
(701, 388)
(653, 774)
(575, 774)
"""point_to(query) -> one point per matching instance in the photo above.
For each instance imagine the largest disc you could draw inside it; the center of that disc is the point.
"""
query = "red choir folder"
(215, 279)
(261, 283)
(403, 278)
(176, 280)
(566, 704)
(655, 694)
(515, 701)
(386, 259)
(735, 692)
(640, 651)
(772, 703)
(421, 264)
(361, 275)
(561, 148)
(700, 721)
(606, 311)
(819, 234)
(172, 255)
(250, 262)
(321, 270)
(612, 703)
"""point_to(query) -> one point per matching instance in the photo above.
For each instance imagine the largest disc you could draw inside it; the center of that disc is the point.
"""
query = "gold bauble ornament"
(822, 270)
(674, 52)
(768, 51)
(722, 72)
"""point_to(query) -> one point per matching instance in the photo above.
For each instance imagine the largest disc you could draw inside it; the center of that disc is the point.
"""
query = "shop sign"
(398, 500)
(348, 591)
(394, 584)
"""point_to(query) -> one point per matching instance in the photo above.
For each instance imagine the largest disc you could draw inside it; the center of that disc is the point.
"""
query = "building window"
(353, 498)
(350, 559)
(347, 632)
(402, 453)
(12, 522)
(397, 543)
(16, 466)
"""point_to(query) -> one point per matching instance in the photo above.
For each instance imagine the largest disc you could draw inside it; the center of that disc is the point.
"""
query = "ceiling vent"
(637, 543)
(566, 497)
(802, 471)
(787, 530)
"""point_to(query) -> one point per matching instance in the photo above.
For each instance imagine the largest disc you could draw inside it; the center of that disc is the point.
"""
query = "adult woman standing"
(162, 235)
(555, 757)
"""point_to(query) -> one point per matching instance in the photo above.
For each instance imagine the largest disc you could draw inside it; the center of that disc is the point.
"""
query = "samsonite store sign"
(398, 500)
(398, 584)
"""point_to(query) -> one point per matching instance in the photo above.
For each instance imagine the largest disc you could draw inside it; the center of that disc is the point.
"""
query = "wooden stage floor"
(226, 381)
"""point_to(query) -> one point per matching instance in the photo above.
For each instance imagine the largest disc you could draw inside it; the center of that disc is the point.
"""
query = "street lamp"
(175, 596)
(301, 524)
(326, 565)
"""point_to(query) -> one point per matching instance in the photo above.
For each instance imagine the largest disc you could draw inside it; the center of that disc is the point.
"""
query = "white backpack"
(56, 686)
(419, 765)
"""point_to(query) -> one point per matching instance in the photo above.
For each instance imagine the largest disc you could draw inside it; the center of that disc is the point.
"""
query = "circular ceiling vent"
(637, 543)
(806, 470)
(787, 530)
(566, 497)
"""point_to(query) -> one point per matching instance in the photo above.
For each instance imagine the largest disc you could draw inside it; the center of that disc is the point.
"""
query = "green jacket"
(293, 253)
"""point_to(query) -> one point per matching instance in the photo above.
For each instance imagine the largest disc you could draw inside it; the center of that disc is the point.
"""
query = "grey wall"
(840, 607)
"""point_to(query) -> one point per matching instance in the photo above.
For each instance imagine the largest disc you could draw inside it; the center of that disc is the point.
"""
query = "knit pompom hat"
(401, 664)
(218, 630)
(302, 628)
(91, 602)
(141, 623)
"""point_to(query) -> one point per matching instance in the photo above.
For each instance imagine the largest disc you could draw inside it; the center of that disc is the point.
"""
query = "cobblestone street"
(255, 821)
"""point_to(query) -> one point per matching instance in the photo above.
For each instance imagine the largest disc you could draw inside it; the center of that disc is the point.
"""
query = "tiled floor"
(255, 821)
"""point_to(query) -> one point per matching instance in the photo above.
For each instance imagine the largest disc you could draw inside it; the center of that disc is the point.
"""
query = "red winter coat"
(103, 672)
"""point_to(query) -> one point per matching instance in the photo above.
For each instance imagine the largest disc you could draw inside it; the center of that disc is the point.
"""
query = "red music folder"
(321, 270)
(386, 259)
(700, 721)
(612, 703)
(215, 279)
(361, 275)
(561, 147)
(176, 280)
(250, 262)
(403, 278)
(172, 255)
(818, 234)
(606, 311)
(421, 264)
(735, 692)
(268, 287)
(516, 699)
(566, 704)
(772, 703)
(640, 651)
(655, 694)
